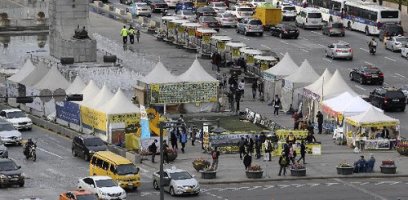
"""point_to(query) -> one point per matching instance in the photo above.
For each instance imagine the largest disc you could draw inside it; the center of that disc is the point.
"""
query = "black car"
(285, 31)
(86, 145)
(367, 74)
(205, 11)
(389, 30)
(157, 5)
(209, 21)
(388, 98)
(333, 29)
(126, 2)
(10, 173)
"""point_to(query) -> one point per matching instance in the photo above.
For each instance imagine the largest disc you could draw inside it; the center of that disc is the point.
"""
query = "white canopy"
(103, 96)
(221, 38)
(35, 76)
(206, 30)
(76, 86)
(191, 24)
(372, 116)
(336, 103)
(27, 68)
(251, 51)
(355, 106)
(159, 74)
(266, 58)
(179, 21)
(236, 44)
(316, 87)
(196, 73)
(336, 86)
(284, 67)
(119, 104)
(304, 74)
(90, 91)
(52, 80)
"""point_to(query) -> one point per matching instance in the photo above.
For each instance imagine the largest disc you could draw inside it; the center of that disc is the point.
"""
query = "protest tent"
(119, 104)
(333, 105)
(159, 74)
(90, 90)
(336, 85)
(13, 83)
(27, 68)
(196, 73)
(355, 106)
(103, 96)
(35, 76)
(76, 86)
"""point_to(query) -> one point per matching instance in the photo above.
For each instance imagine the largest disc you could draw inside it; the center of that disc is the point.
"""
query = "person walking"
(276, 105)
(230, 96)
(251, 144)
(319, 117)
(173, 138)
(258, 146)
(241, 146)
(238, 94)
(302, 152)
(183, 138)
(268, 150)
(292, 153)
(261, 90)
(254, 88)
(241, 87)
(247, 161)
(124, 34)
(193, 136)
(283, 163)
(165, 153)
(215, 154)
(138, 35)
(153, 149)
(131, 33)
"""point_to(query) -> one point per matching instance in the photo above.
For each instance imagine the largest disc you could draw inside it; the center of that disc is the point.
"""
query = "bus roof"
(368, 5)
(114, 158)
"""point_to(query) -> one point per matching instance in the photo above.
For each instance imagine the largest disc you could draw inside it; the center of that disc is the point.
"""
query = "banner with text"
(68, 111)
(93, 118)
(183, 93)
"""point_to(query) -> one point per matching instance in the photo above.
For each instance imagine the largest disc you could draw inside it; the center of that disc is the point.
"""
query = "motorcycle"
(372, 47)
(373, 50)
(30, 153)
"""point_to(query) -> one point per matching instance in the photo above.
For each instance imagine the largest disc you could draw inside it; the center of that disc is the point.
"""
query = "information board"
(183, 93)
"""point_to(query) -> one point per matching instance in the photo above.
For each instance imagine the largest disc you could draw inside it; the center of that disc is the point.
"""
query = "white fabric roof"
(316, 87)
(336, 103)
(52, 80)
(35, 76)
(236, 44)
(355, 106)
(372, 115)
(159, 74)
(119, 104)
(27, 68)
(196, 73)
(191, 24)
(284, 67)
(76, 86)
(206, 30)
(249, 50)
(103, 96)
(221, 37)
(267, 58)
(336, 86)
(89, 92)
(304, 74)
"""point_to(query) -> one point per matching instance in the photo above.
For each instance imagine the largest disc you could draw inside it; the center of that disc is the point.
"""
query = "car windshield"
(245, 9)
(209, 19)
(205, 9)
(8, 166)
(187, 12)
(337, 25)
(94, 142)
(371, 70)
(401, 39)
(219, 4)
(289, 8)
(87, 197)
(394, 94)
(389, 14)
(343, 46)
(188, 4)
(106, 183)
(126, 169)
(180, 176)
(314, 15)
(6, 127)
(15, 114)
(228, 15)
(255, 22)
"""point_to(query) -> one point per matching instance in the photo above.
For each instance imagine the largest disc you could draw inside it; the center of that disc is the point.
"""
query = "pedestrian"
(215, 154)
(290, 139)
(193, 136)
(286, 149)
(124, 34)
(261, 90)
(241, 62)
(292, 153)
(216, 60)
(241, 146)
(131, 33)
(310, 138)
(153, 149)
(241, 87)
(237, 100)
(247, 161)
(371, 163)
(258, 146)
(283, 163)
(165, 152)
(302, 152)
(137, 35)
(276, 105)
(251, 145)
(254, 88)
(183, 138)
(232, 82)
(230, 96)
(319, 117)
(173, 138)
(224, 79)
(262, 137)
(268, 150)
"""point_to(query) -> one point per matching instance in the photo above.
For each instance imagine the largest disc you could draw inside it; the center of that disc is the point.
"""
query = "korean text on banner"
(206, 39)
(299, 134)
(183, 93)
(68, 111)
(93, 118)
(221, 45)
(128, 119)
(235, 52)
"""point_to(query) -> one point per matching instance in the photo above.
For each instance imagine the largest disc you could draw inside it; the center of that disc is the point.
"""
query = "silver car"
(396, 43)
(8, 134)
(339, 50)
(3, 150)
(226, 19)
(177, 182)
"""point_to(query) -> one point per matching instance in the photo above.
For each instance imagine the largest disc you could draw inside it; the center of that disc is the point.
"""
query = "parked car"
(404, 90)
(309, 18)
(140, 9)
(226, 19)
(367, 74)
(187, 5)
(404, 51)
(177, 182)
(18, 118)
(103, 186)
(187, 14)
(335, 28)
(219, 7)
(250, 25)
(78, 195)
(390, 30)
(10, 173)
(388, 98)
(86, 145)
(205, 11)
(9, 134)
(3, 150)
(396, 43)
(157, 5)
(172, 3)
(209, 21)
(288, 12)
(339, 50)
(284, 31)
(242, 11)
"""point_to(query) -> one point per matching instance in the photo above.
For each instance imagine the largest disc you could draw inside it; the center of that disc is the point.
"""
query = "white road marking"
(281, 54)
(359, 87)
(393, 60)
(283, 186)
(330, 184)
(268, 187)
(328, 60)
(371, 193)
(254, 188)
(386, 84)
(304, 50)
(41, 149)
(368, 63)
(241, 188)
(355, 182)
(364, 50)
(313, 184)
(144, 170)
(219, 197)
(321, 45)
(262, 45)
(400, 75)
(298, 185)
(318, 33)
(365, 183)
(283, 42)
(387, 182)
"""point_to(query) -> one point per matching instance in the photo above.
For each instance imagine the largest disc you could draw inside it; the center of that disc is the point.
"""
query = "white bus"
(330, 9)
(368, 17)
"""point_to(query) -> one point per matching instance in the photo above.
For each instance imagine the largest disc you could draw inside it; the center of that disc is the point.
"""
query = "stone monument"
(66, 39)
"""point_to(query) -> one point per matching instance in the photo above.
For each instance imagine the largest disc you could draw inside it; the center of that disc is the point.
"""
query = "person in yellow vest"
(131, 33)
(124, 34)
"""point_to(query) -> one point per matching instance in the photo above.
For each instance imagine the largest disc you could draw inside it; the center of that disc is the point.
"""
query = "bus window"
(389, 14)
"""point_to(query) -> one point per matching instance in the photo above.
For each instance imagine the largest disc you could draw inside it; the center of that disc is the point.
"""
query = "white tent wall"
(269, 90)
(12, 91)
(201, 107)
(287, 96)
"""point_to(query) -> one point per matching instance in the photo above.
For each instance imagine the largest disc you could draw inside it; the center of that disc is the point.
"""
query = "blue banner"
(68, 111)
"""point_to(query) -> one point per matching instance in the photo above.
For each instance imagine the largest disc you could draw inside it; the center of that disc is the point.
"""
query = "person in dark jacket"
(153, 149)
(247, 161)
(302, 152)
(276, 105)
(319, 117)
(237, 99)
(258, 146)
(173, 138)
(241, 145)
(183, 138)
(283, 163)
(254, 88)
(165, 154)
(251, 144)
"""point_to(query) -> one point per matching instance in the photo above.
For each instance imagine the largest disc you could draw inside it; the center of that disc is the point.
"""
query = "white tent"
(305, 74)
(196, 73)
(119, 104)
(27, 68)
(355, 106)
(284, 67)
(336, 86)
(159, 74)
(103, 96)
(89, 92)
(371, 116)
(35, 76)
(76, 86)
(333, 105)
(314, 90)
(52, 80)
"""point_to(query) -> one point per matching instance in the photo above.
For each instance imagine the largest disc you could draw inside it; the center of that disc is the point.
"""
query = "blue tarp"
(68, 111)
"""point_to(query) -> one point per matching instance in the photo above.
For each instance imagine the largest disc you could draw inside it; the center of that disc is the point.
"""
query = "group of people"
(288, 156)
(363, 165)
(131, 33)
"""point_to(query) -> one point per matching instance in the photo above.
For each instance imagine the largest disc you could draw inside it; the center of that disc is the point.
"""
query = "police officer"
(124, 34)
(131, 33)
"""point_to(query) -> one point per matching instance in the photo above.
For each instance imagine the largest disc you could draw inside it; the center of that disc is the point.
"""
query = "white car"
(177, 182)
(255, 3)
(186, 14)
(140, 9)
(171, 3)
(219, 7)
(103, 186)
(288, 12)
(396, 43)
(404, 51)
(242, 12)
(18, 118)
(8, 134)
(226, 19)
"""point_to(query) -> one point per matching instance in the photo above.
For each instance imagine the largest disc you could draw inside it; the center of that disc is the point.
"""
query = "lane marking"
(283, 42)
(283, 186)
(370, 193)
(144, 170)
(304, 50)
(281, 54)
(244, 38)
(362, 49)
(365, 183)
(272, 186)
(368, 63)
(262, 45)
(321, 45)
(254, 188)
(313, 184)
(328, 60)
(298, 185)
(330, 184)
(393, 60)
(56, 155)
(400, 75)
(359, 87)
(318, 33)
(386, 84)
(387, 182)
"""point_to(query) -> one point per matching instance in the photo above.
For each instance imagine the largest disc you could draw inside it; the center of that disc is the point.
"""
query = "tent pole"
(164, 109)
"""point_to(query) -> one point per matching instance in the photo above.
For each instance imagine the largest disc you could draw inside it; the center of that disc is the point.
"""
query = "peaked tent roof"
(304, 74)
(372, 117)
(316, 87)
(89, 91)
(103, 96)
(76, 87)
(355, 106)
(159, 74)
(196, 73)
(336, 86)
(35, 76)
(284, 68)
(119, 104)
(27, 68)
(52, 80)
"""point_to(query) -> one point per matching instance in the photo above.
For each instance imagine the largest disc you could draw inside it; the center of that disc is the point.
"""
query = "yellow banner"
(128, 119)
(235, 52)
(221, 45)
(249, 59)
(171, 25)
(264, 65)
(191, 32)
(93, 118)
(372, 124)
(283, 133)
(312, 149)
(206, 39)
(181, 29)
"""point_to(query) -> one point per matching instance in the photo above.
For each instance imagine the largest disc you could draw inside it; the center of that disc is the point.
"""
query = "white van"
(288, 12)
(309, 18)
